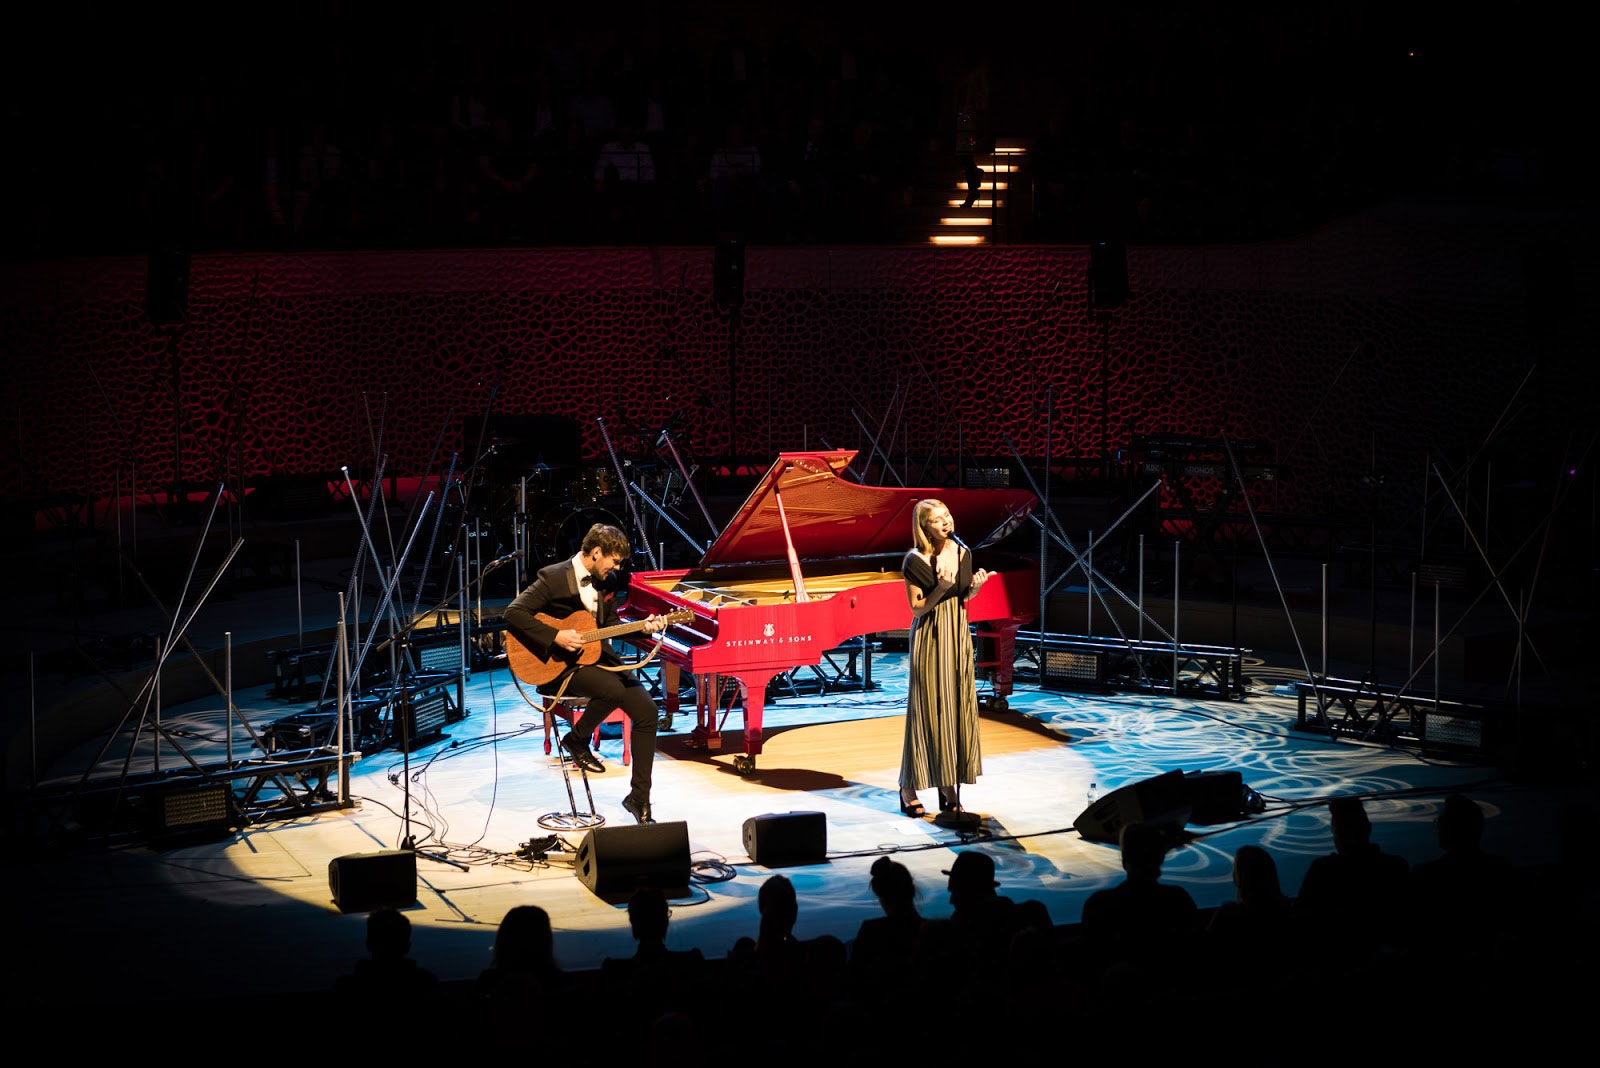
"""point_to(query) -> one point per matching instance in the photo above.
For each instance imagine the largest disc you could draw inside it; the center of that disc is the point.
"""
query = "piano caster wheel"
(744, 765)
(990, 703)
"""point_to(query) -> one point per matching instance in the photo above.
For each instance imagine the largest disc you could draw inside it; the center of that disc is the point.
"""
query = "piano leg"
(754, 685)
(669, 693)
(706, 734)
(1004, 635)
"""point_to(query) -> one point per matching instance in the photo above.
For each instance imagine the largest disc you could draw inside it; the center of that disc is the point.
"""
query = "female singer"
(942, 708)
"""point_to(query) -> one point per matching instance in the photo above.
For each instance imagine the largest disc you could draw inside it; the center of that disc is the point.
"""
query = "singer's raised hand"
(978, 579)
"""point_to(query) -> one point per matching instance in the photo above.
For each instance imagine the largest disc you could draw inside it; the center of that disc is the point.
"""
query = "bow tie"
(587, 580)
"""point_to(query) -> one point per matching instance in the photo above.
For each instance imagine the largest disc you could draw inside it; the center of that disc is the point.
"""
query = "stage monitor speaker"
(1159, 802)
(783, 839)
(1214, 796)
(614, 860)
(727, 271)
(166, 288)
(362, 882)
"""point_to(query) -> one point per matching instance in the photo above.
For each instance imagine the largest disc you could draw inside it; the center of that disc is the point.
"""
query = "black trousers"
(610, 690)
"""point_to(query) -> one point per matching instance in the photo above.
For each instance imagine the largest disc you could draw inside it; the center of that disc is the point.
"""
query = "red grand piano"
(810, 560)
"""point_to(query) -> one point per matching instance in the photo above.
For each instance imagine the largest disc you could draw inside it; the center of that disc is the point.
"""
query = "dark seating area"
(1410, 942)
(506, 124)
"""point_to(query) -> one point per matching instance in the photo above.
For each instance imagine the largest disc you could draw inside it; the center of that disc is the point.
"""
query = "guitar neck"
(610, 632)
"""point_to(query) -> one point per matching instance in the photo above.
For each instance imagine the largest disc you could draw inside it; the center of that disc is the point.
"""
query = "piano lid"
(831, 516)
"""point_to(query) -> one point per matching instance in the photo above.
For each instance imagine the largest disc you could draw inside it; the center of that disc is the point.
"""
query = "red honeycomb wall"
(1378, 340)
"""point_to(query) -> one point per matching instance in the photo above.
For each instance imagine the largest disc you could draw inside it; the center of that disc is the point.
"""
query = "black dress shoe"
(582, 756)
(639, 810)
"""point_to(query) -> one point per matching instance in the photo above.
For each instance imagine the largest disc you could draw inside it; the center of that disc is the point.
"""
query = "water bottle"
(1093, 795)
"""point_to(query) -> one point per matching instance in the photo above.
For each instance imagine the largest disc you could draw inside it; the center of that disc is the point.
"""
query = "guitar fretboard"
(680, 616)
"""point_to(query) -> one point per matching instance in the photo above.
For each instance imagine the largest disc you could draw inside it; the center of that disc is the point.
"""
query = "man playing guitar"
(572, 586)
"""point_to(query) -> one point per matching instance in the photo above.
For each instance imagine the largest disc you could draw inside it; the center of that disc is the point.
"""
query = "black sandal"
(913, 808)
(950, 806)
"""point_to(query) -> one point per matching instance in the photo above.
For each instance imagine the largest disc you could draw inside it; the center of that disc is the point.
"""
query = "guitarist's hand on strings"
(572, 640)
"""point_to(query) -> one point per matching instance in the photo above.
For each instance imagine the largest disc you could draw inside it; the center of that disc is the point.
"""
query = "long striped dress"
(941, 746)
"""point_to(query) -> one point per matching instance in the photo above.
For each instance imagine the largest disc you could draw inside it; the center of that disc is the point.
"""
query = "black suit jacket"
(555, 592)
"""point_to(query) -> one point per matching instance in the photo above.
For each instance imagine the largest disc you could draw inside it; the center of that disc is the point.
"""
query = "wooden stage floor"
(253, 915)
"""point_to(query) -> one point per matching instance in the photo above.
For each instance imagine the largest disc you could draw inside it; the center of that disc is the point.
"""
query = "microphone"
(506, 559)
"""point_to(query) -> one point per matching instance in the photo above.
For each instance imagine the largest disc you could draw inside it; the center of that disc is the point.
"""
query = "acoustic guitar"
(536, 670)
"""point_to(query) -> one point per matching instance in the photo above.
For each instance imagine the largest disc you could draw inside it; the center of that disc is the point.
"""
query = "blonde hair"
(919, 523)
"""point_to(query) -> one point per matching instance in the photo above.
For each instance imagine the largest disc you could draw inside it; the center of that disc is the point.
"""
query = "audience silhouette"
(1360, 917)
(1461, 902)
(1355, 895)
(1141, 920)
(653, 965)
(388, 972)
(524, 966)
(885, 946)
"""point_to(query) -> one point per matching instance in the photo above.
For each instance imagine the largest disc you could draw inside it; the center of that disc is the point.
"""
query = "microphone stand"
(409, 842)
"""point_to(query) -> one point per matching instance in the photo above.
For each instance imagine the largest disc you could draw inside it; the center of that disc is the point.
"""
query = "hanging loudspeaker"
(1108, 274)
(727, 271)
(166, 289)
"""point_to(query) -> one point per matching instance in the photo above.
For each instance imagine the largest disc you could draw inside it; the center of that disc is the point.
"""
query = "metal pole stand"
(572, 820)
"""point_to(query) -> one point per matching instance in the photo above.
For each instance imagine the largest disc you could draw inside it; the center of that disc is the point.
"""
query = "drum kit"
(557, 504)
